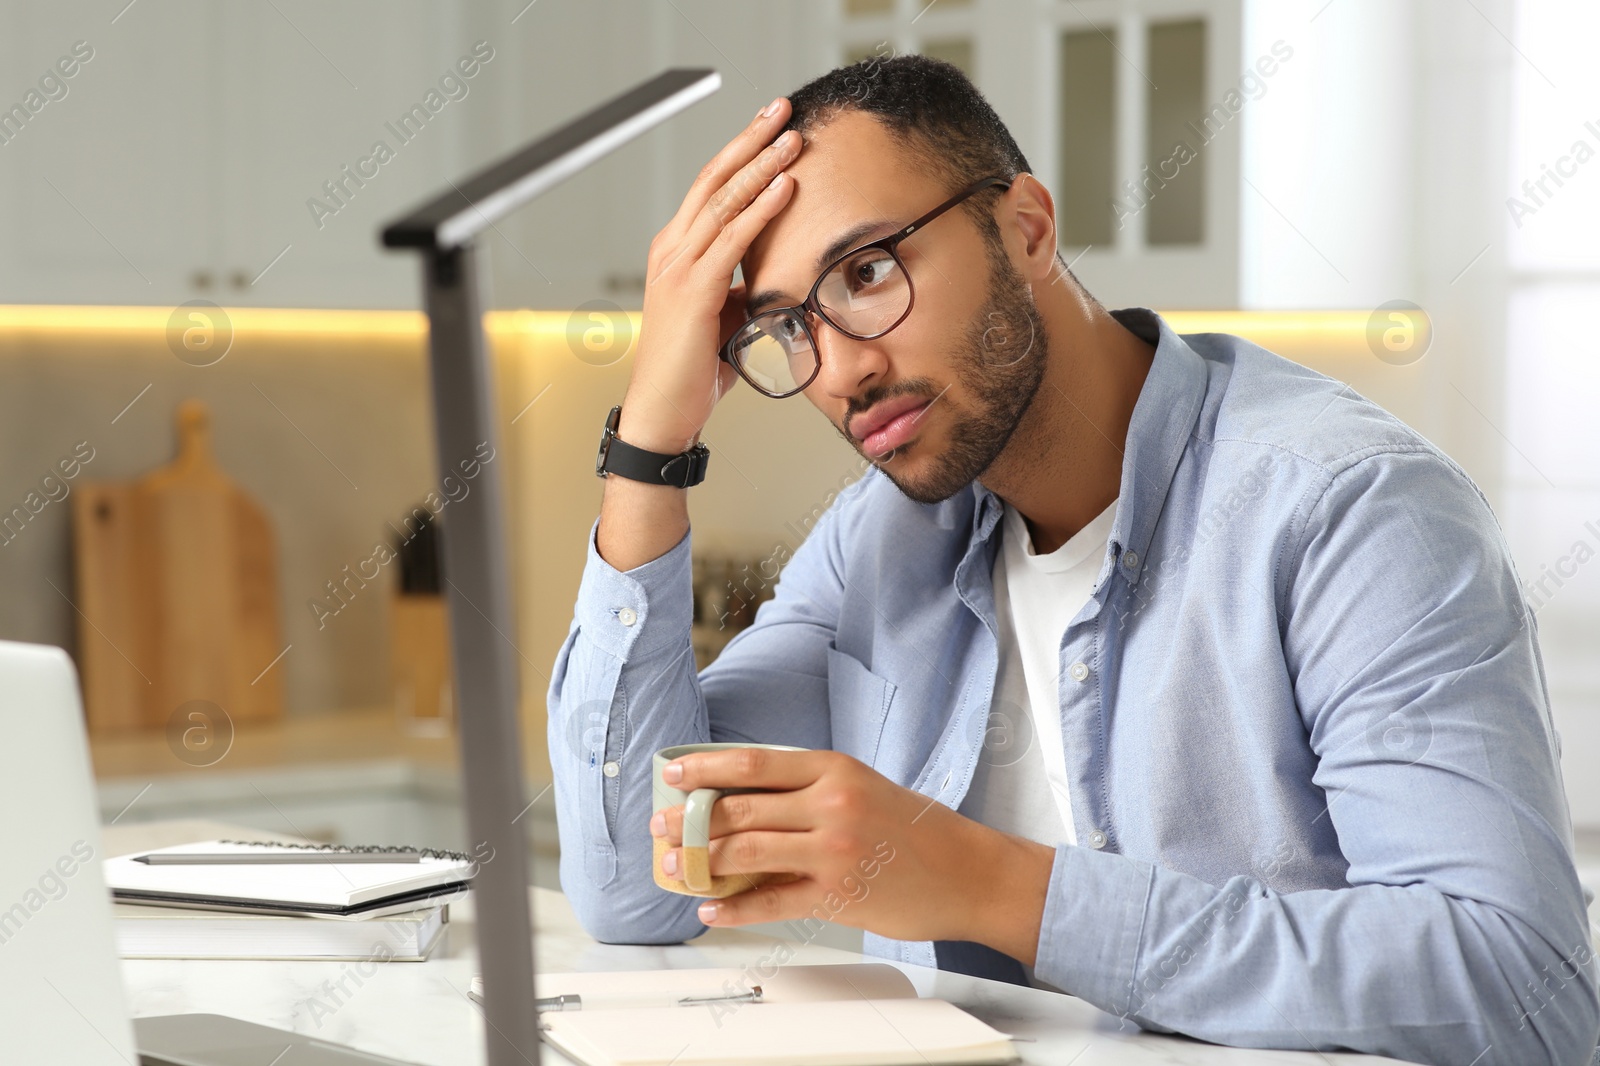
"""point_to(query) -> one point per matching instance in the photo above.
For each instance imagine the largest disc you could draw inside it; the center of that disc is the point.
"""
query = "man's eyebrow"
(838, 246)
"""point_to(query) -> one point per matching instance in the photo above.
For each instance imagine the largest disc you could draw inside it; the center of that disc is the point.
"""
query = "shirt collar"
(1163, 420)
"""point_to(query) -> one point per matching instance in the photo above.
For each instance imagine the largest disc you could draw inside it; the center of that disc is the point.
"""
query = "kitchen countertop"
(297, 740)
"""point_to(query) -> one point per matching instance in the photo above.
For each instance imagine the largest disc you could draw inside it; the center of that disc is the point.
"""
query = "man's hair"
(939, 117)
(943, 123)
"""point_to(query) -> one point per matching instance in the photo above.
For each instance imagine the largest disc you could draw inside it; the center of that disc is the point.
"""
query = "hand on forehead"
(850, 171)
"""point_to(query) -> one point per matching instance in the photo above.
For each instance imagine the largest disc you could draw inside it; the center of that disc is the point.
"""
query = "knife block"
(424, 687)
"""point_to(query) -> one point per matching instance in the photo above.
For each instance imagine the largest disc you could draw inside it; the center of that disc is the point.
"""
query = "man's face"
(960, 370)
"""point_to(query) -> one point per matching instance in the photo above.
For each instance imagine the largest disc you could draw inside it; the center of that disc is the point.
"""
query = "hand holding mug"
(800, 834)
(694, 876)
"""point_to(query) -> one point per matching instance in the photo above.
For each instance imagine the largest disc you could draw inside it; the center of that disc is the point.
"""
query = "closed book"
(316, 886)
(176, 933)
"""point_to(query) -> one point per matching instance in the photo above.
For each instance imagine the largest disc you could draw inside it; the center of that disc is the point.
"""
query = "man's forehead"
(850, 174)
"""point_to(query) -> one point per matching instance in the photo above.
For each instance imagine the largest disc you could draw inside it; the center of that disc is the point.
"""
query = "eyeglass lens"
(863, 295)
(774, 353)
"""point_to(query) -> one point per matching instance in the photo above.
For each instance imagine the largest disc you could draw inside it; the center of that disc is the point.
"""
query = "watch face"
(607, 433)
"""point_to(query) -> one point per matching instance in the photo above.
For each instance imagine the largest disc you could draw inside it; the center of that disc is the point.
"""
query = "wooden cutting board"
(176, 577)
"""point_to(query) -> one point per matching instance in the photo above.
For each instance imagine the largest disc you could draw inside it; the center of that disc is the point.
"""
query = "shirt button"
(1130, 559)
(1078, 672)
(611, 769)
(627, 616)
(1097, 840)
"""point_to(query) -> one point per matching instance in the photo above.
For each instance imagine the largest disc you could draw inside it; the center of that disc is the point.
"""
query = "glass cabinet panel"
(1088, 137)
(1175, 156)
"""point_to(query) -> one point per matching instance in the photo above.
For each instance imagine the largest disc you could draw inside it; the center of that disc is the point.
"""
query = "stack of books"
(223, 899)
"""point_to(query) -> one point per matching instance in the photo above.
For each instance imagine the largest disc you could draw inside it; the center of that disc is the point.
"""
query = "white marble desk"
(419, 1012)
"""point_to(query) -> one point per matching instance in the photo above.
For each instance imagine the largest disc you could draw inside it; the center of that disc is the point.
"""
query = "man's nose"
(849, 367)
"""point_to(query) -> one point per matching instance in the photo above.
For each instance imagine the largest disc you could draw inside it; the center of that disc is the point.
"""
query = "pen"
(558, 1003)
(272, 858)
(540, 1005)
(549, 1003)
(752, 996)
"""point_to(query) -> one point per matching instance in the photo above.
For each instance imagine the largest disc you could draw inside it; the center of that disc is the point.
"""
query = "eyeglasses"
(864, 293)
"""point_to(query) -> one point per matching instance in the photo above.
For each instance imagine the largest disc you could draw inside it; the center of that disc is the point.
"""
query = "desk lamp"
(476, 567)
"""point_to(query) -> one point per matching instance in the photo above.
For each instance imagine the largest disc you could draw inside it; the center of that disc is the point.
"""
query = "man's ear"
(1035, 216)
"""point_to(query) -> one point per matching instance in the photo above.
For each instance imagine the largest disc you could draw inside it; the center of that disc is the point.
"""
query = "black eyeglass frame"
(889, 244)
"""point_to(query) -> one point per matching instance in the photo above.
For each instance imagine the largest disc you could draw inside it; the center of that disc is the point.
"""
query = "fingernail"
(708, 912)
(658, 824)
(672, 773)
(772, 108)
(669, 863)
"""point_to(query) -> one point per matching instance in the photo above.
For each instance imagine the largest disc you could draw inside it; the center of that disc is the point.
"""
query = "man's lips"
(888, 425)
(876, 417)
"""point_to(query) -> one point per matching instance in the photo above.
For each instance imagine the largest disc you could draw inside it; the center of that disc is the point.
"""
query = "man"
(1165, 673)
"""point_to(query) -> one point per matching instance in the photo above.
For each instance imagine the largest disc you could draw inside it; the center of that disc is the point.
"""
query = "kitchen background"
(1400, 193)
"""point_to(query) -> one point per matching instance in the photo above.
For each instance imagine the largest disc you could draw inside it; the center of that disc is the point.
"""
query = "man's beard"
(1001, 362)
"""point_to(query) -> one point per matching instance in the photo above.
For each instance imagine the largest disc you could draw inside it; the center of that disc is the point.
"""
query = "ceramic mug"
(695, 872)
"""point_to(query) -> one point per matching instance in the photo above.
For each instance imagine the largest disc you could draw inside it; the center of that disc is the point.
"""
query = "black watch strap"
(617, 456)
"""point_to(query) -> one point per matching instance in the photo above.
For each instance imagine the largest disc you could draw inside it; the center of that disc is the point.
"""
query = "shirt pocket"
(858, 706)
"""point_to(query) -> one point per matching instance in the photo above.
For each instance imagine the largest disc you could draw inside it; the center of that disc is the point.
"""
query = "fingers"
(734, 155)
(766, 768)
(722, 232)
(762, 175)
(738, 813)
(749, 853)
(769, 903)
(728, 244)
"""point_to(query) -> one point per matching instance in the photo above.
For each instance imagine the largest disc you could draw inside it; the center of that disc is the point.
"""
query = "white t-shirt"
(1020, 783)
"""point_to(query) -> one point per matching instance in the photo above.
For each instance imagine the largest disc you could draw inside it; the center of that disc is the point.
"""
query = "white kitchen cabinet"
(108, 191)
(588, 238)
(303, 174)
(181, 160)
(184, 159)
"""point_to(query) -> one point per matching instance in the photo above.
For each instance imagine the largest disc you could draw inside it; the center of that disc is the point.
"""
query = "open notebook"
(863, 1014)
(333, 890)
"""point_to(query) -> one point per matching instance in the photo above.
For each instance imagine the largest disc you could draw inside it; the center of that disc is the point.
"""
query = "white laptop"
(61, 997)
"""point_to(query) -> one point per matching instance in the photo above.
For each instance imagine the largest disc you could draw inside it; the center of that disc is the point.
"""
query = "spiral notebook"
(332, 890)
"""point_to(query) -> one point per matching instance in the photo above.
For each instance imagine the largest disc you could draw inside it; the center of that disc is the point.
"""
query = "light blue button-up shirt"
(1312, 766)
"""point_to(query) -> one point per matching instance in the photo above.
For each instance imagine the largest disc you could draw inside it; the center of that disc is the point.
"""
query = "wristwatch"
(617, 456)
